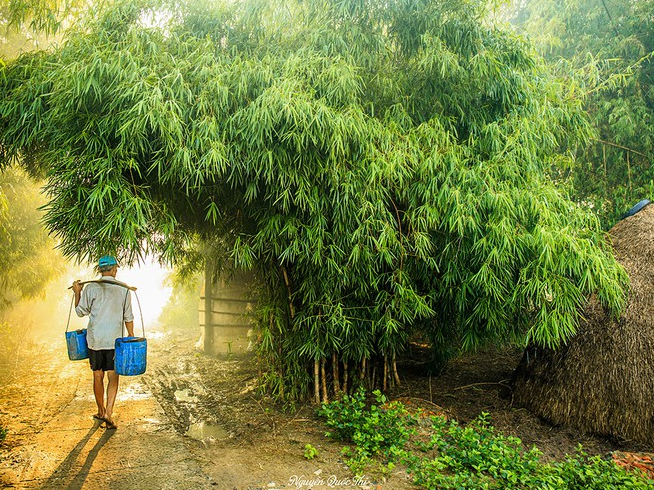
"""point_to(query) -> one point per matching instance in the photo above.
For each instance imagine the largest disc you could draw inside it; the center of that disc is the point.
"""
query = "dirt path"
(194, 422)
(191, 422)
(54, 442)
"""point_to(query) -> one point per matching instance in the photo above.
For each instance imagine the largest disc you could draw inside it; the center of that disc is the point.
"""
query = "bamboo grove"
(382, 166)
(605, 49)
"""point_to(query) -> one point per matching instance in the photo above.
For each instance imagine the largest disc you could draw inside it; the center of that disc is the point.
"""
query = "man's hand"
(77, 290)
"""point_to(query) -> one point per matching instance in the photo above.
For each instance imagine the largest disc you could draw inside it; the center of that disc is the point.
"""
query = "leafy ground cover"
(447, 455)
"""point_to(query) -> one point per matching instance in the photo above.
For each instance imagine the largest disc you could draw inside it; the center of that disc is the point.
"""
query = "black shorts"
(102, 359)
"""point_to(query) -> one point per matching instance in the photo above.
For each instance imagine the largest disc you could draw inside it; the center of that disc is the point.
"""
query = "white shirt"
(108, 307)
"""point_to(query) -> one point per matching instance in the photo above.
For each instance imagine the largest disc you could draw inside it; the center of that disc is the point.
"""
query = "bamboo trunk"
(316, 382)
(362, 373)
(290, 294)
(395, 374)
(344, 376)
(281, 373)
(323, 373)
(335, 373)
(384, 382)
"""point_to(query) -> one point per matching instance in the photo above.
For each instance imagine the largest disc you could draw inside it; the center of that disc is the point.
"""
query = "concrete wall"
(230, 331)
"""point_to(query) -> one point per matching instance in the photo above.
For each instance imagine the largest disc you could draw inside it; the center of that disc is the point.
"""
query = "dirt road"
(53, 442)
(191, 422)
(195, 422)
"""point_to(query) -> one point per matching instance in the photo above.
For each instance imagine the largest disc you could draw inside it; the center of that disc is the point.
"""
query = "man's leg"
(98, 391)
(112, 390)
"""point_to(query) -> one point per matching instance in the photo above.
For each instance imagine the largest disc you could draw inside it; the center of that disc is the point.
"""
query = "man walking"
(108, 304)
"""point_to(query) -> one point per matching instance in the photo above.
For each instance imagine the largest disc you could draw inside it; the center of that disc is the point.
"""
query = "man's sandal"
(109, 424)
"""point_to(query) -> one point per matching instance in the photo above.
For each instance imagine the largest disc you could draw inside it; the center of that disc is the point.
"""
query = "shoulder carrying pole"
(117, 283)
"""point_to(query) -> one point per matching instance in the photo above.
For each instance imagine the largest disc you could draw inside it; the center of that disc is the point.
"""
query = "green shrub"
(345, 416)
(310, 452)
(477, 457)
(474, 457)
(377, 429)
(459, 457)
(583, 472)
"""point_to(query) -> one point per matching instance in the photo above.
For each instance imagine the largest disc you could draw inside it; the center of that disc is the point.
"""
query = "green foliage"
(594, 473)
(477, 457)
(39, 15)
(602, 51)
(34, 24)
(28, 260)
(473, 457)
(383, 166)
(310, 452)
(345, 416)
(3, 433)
(378, 429)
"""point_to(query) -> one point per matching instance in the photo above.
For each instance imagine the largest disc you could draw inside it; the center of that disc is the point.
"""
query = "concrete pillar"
(208, 305)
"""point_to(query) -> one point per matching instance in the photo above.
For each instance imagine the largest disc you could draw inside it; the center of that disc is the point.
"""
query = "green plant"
(29, 261)
(344, 416)
(473, 457)
(3, 433)
(378, 184)
(380, 428)
(584, 472)
(613, 77)
(310, 452)
(457, 457)
(374, 428)
(477, 457)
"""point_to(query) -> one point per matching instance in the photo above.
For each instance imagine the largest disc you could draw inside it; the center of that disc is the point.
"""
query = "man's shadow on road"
(67, 467)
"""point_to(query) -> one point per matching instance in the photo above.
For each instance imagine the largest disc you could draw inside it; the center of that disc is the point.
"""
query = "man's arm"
(128, 316)
(130, 328)
(77, 289)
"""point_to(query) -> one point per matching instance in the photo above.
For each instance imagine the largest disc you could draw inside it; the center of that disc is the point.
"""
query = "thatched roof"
(603, 380)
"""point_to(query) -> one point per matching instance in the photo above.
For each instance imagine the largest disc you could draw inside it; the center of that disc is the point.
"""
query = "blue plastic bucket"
(131, 356)
(77, 346)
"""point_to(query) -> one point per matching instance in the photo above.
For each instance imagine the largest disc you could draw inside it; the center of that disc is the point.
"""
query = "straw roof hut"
(602, 381)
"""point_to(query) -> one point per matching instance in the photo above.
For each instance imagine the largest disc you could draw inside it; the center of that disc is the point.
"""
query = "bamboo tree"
(603, 53)
(28, 259)
(384, 167)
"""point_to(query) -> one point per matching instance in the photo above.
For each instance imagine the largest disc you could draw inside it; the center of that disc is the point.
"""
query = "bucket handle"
(138, 302)
(70, 311)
